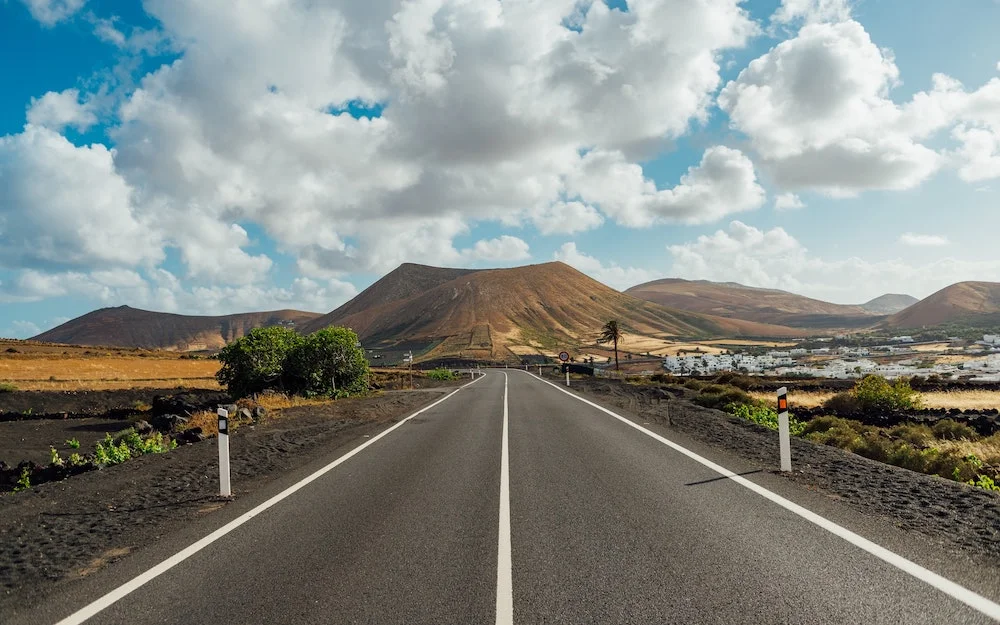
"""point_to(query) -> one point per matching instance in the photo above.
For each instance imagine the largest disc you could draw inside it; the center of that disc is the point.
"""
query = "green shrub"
(54, 458)
(7, 388)
(877, 395)
(738, 380)
(872, 445)
(914, 434)
(721, 399)
(952, 430)
(73, 443)
(257, 361)
(840, 436)
(764, 415)
(442, 374)
(328, 362)
(24, 481)
(984, 481)
(843, 404)
(714, 389)
(694, 385)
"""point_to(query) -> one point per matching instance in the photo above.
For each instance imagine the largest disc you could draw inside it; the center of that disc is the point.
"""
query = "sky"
(212, 157)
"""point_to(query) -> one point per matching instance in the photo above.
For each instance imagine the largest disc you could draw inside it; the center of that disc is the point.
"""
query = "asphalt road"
(606, 525)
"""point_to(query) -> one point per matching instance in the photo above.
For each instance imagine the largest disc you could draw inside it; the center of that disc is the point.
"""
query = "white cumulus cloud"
(51, 12)
(812, 11)
(57, 110)
(501, 249)
(723, 183)
(610, 274)
(922, 240)
(787, 201)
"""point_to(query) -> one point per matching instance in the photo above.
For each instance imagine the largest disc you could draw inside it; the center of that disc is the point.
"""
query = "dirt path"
(61, 530)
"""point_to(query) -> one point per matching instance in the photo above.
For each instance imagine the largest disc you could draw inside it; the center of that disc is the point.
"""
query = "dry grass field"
(964, 400)
(40, 367)
(747, 343)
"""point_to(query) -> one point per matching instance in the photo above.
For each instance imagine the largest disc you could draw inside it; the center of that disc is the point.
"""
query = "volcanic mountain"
(889, 304)
(729, 299)
(131, 327)
(973, 304)
(485, 313)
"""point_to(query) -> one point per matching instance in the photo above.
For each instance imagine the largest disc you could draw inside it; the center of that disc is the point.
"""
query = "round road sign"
(563, 356)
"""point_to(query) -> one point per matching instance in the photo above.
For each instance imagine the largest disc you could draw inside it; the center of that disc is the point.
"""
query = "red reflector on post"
(782, 404)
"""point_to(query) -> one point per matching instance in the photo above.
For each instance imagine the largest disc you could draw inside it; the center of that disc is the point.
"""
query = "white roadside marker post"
(567, 375)
(783, 438)
(225, 490)
(539, 370)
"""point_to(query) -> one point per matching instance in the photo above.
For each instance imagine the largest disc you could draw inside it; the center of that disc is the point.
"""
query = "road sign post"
(783, 436)
(225, 490)
(564, 357)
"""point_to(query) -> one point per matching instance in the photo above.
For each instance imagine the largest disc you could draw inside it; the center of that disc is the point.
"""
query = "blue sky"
(179, 156)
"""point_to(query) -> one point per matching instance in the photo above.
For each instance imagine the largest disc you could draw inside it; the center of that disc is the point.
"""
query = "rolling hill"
(131, 327)
(483, 314)
(728, 299)
(889, 304)
(973, 304)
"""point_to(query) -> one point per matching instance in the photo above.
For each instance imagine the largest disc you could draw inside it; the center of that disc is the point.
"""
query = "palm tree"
(611, 333)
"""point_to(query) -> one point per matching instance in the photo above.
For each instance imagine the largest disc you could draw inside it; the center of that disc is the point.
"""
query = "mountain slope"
(889, 304)
(484, 312)
(131, 327)
(404, 282)
(728, 299)
(975, 304)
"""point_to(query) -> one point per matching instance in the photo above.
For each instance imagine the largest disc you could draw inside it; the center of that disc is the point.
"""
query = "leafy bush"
(984, 481)
(722, 398)
(738, 380)
(694, 385)
(129, 445)
(326, 362)
(24, 481)
(442, 374)
(7, 388)
(257, 361)
(876, 395)
(953, 430)
(765, 415)
(872, 445)
(73, 443)
(914, 434)
(843, 404)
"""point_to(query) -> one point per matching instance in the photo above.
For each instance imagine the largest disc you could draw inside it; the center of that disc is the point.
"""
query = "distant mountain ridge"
(737, 301)
(889, 304)
(974, 304)
(131, 327)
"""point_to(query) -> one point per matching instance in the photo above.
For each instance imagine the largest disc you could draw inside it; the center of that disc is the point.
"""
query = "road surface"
(512, 501)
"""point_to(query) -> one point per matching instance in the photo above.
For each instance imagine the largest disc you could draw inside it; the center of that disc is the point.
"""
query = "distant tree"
(612, 333)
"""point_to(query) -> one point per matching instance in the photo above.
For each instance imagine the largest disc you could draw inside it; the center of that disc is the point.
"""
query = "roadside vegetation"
(329, 362)
(442, 374)
(111, 451)
(948, 448)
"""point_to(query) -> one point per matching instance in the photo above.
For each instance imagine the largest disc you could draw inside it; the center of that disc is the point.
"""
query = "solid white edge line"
(110, 598)
(973, 600)
(505, 590)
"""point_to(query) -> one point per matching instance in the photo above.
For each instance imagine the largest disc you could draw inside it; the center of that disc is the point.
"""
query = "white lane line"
(505, 585)
(118, 593)
(973, 600)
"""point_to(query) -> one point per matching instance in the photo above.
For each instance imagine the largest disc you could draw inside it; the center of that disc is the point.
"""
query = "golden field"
(964, 400)
(36, 370)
